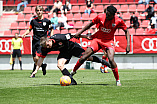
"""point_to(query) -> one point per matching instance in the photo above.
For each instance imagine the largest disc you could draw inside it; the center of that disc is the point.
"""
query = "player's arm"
(40, 61)
(22, 48)
(128, 40)
(77, 35)
(11, 51)
(26, 33)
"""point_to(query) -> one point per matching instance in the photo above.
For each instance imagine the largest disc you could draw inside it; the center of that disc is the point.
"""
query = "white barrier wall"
(145, 61)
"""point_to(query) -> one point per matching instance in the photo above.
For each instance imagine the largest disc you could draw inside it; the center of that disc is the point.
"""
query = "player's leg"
(13, 58)
(19, 57)
(103, 68)
(84, 57)
(110, 53)
(60, 65)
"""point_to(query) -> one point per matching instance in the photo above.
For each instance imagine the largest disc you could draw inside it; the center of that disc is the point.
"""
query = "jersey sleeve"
(31, 24)
(41, 52)
(95, 20)
(122, 25)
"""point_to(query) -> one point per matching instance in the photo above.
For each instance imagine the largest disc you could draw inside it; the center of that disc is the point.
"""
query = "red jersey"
(107, 28)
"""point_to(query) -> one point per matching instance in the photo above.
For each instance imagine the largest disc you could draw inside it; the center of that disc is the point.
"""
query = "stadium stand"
(77, 17)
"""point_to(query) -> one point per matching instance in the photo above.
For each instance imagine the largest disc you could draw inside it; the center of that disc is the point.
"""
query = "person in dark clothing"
(67, 48)
(40, 26)
(134, 21)
(150, 12)
(89, 8)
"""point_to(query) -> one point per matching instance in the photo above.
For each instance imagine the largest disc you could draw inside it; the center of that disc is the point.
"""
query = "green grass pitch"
(94, 87)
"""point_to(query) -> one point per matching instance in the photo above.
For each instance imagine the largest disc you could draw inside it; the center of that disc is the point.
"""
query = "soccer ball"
(65, 81)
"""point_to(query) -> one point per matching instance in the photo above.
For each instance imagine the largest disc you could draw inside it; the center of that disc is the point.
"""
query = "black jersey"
(60, 43)
(40, 27)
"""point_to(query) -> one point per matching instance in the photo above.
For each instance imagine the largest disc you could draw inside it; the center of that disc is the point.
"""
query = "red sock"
(105, 58)
(115, 72)
(78, 64)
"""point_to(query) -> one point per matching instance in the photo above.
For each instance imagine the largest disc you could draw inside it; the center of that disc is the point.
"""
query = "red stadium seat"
(77, 17)
(20, 17)
(64, 31)
(4, 2)
(144, 23)
(8, 32)
(14, 25)
(78, 24)
(56, 32)
(27, 10)
(132, 1)
(99, 8)
(155, 7)
(97, 1)
(126, 16)
(85, 23)
(41, 2)
(131, 31)
(117, 32)
(92, 16)
(72, 31)
(105, 1)
(50, 2)
(139, 31)
(27, 17)
(81, 1)
(132, 8)
(22, 25)
(121, 32)
(117, 7)
(17, 2)
(75, 9)
(34, 2)
(22, 32)
(127, 23)
(140, 8)
(82, 8)
(15, 31)
(124, 8)
(113, 1)
(121, 1)
(73, 1)
(69, 16)
(85, 16)
(10, 2)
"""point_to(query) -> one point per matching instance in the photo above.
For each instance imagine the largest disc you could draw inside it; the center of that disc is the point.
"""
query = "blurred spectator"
(153, 21)
(54, 22)
(150, 12)
(23, 2)
(66, 7)
(146, 1)
(62, 22)
(134, 21)
(57, 7)
(118, 14)
(89, 8)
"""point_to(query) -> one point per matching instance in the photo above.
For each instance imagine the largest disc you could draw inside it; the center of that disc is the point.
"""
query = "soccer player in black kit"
(40, 26)
(67, 48)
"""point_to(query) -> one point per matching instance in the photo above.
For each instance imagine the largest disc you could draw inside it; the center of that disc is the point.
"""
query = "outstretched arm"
(77, 35)
(40, 61)
(128, 41)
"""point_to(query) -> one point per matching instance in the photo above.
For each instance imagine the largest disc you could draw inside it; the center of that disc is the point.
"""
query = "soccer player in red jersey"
(104, 38)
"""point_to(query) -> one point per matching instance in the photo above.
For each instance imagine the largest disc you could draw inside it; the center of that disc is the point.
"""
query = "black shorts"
(75, 50)
(35, 47)
(16, 52)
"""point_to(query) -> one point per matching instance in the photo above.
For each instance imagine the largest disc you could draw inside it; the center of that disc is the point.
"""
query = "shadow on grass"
(71, 85)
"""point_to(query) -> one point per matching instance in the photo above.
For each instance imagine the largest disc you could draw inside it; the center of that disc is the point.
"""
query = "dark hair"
(111, 9)
(39, 7)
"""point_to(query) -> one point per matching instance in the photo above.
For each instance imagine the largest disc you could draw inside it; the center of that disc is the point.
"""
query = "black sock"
(65, 72)
(20, 64)
(34, 67)
(96, 59)
(13, 65)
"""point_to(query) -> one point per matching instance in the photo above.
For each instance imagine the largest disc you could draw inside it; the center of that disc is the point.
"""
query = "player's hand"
(77, 35)
(23, 36)
(33, 74)
(22, 51)
(127, 49)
